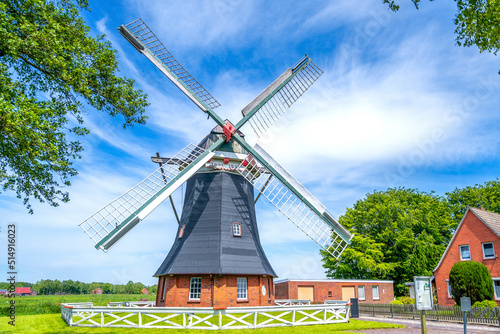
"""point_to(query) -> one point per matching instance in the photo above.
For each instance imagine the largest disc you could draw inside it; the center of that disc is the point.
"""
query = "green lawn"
(53, 323)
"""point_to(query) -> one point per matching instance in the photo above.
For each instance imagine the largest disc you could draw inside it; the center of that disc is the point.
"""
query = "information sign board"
(423, 293)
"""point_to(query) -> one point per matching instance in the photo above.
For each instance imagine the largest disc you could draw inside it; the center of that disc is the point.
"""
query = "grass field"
(42, 314)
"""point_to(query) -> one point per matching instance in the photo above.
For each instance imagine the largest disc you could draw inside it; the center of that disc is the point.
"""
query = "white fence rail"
(289, 302)
(132, 304)
(204, 318)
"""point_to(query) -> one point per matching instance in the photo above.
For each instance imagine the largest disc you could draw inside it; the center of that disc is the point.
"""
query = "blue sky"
(399, 104)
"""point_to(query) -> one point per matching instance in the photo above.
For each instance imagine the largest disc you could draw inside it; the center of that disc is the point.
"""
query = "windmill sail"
(109, 224)
(269, 105)
(146, 42)
(295, 201)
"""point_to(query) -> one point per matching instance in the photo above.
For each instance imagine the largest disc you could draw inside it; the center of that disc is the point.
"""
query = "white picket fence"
(204, 317)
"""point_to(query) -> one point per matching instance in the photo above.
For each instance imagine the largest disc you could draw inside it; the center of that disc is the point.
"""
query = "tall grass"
(29, 305)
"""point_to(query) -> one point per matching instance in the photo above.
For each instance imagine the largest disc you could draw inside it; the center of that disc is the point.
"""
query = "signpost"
(466, 306)
(423, 298)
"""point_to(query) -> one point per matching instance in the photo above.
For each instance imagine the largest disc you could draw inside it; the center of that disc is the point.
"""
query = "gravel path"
(433, 327)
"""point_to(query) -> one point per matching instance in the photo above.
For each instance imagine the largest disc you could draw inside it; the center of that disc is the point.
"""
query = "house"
(319, 290)
(476, 238)
(23, 291)
(97, 291)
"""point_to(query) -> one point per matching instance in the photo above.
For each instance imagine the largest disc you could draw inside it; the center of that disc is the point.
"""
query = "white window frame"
(195, 288)
(375, 288)
(448, 288)
(361, 288)
(460, 250)
(163, 294)
(241, 288)
(493, 247)
(496, 279)
(236, 230)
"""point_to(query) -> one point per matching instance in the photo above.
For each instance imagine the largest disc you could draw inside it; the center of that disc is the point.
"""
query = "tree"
(398, 233)
(477, 23)
(485, 195)
(471, 279)
(51, 69)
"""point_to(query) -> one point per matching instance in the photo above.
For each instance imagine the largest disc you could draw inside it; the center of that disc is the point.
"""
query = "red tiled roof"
(23, 290)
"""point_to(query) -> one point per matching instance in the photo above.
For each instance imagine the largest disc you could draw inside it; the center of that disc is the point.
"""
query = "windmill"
(216, 258)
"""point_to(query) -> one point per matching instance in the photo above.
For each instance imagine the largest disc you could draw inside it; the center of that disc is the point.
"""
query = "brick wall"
(332, 290)
(216, 291)
(474, 233)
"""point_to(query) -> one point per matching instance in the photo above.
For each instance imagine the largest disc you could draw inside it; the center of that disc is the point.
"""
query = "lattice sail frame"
(294, 208)
(118, 217)
(144, 34)
(283, 99)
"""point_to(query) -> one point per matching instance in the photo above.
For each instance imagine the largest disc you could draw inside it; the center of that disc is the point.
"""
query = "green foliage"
(471, 279)
(398, 233)
(477, 22)
(397, 302)
(406, 300)
(485, 195)
(486, 303)
(49, 67)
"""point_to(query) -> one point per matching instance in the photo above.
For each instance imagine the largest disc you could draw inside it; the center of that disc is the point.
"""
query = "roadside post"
(465, 306)
(423, 298)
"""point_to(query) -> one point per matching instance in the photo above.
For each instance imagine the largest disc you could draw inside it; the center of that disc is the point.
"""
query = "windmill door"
(348, 293)
(306, 293)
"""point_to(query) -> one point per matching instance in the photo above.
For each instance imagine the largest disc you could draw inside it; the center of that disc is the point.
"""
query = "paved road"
(433, 327)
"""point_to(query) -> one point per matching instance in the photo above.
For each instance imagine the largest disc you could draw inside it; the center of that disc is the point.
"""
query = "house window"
(181, 231)
(237, 229)
(448, 287)
(464, 252)
(361, 292)
(195, 288)
(241, 288)
(329, 293)
(164, 288)
(375, 292)
(496, 287)
(488, 250)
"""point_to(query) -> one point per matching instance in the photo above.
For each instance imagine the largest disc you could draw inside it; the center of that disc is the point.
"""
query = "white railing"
(132, 304)
(205, 318)
(289, 302)
(335, 301)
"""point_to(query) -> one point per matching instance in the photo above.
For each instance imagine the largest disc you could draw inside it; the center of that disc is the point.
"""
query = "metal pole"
(465, 322)
(423, 324)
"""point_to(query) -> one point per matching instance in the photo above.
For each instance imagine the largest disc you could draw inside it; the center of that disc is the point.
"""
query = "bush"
(406, 300)
(485, 303)
(397, 302)
(471, 279)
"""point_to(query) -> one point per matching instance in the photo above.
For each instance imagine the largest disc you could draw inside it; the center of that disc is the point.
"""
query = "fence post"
(413, 311)
(497, 310)
(437, 313)
(373, 307)
(392, 313)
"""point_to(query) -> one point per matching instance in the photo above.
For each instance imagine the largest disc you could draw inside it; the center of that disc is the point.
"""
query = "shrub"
(471, 279)
(397, 302)
(406, 300)
(485, 303)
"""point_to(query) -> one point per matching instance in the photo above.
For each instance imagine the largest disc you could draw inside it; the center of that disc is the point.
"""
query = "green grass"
(30, 305)
(53, 323)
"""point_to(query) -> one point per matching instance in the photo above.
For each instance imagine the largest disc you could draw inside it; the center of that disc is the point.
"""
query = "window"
(181, 231)
(496, 287)
(361, 292)
(237, 229)
(375, 292)
(164, 288)
(241, 288)
(329, 293)
(488, 250)
(464, 252)
(195, 288)
(448, 287)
